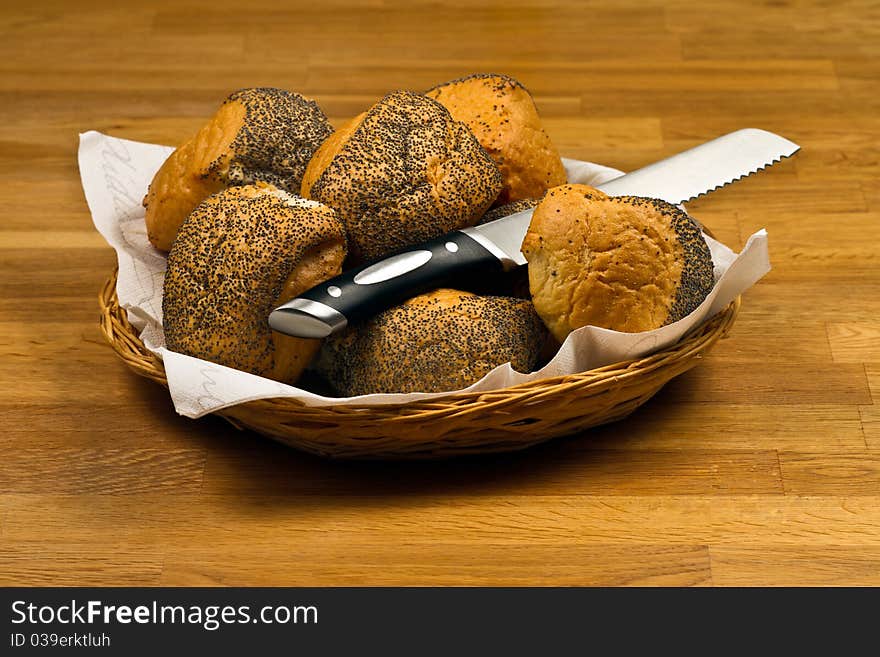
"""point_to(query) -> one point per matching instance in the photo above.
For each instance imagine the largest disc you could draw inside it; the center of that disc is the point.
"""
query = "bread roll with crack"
(402, 173)
(241, 253)
(443, 340)
(263, 134)
(502, 114)
(625, 263)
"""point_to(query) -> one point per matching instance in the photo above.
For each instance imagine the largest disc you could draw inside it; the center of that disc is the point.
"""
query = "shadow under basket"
(463, 423)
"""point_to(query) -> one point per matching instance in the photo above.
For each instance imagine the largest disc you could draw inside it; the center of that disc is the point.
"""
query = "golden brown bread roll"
(625, 263)
(242, 252)
(265, 135)
(443, 340)
(402, 173)
(502, 114)
(327, 151)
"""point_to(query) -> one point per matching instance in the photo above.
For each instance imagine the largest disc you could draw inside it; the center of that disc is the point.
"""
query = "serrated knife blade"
(676, 179)
(357, 294)
(704, 168)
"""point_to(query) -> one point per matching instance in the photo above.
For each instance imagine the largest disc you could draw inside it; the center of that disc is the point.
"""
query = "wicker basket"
(462, 423)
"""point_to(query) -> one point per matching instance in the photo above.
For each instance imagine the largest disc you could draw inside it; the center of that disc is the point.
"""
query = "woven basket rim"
(124, 339)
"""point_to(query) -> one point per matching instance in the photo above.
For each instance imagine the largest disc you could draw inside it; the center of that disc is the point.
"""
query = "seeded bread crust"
(402, 173)
(262, 134)
(443, 340)
(501, 113)
(239, 254)
(625, 263)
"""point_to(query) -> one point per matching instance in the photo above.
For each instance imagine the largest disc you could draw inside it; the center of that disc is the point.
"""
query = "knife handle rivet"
(334, 291)
(452, 247)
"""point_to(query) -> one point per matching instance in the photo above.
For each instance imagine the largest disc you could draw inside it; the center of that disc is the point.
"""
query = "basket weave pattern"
(462, 423)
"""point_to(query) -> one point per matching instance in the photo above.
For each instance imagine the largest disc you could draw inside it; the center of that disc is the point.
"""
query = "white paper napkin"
(115, 174)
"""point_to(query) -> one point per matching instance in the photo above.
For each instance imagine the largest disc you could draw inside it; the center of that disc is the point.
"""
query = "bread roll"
(242, 252)
(402, 173)
(443, 340)
(625, 263)
(502, 114)
(265, 135)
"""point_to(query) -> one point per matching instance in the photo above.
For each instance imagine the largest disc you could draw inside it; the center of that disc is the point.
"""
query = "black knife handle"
(359, 293)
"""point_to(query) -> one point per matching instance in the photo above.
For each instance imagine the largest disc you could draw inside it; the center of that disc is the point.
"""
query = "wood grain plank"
(841, 565)
(106, 470)
(130, 422)
(778, 382)
(784, 42)
(557, 78)
(777, 110)
(79, 309)
(63, 378)
(21, 108)
(686, 17)
(466, 42)
(150, 52)
(91, 17)
(616, 134)
(53, 359)
(662, 425)
(840, 162)
(48, 204)
(753, 197)
(870, 416)
(658, 426)
(857, 74)
(799, 240)
(226, 76)
(854, 342)
(56, 239)
(52, 146)
(830, 473)
(797, 336)
(308, 524)
(487, 29)
(872, 371)
(446, 564)
(57, 564)
(28, 275)
(406, 21)
(815, 297)
(871, 193)
(39, 339)
(823, 134)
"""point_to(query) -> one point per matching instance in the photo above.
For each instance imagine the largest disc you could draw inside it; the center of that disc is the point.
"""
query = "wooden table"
(760, 466)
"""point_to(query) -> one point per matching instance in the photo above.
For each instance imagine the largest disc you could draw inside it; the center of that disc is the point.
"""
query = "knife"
(481, 250)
